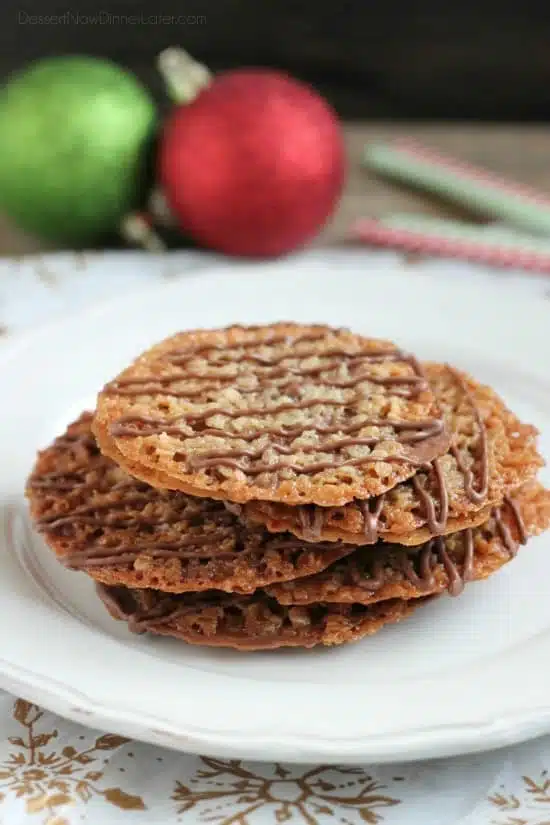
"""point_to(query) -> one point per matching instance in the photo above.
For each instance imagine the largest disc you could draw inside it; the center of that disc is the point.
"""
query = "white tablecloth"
(54, 772)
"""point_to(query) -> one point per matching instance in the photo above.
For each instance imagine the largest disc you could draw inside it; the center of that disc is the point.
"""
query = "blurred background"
(470, 77)
(473, 59)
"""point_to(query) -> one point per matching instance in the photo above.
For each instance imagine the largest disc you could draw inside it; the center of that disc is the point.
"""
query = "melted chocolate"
(468, 564)
(112, 598)
(163, 384)
(193, 424)
(476, 496)
(371, 509)
(151, 609)
(505, 532)
(136, 425)
(213, 531)
(437, 524)
(154, 611)
(182, 357)
(523, 536)
(407, 431)
(233, 508)
(87, 442)
(456, 581)
(57, 482)
(256, 611)
(417, 566)
(88, 513)
(311, 521)
(420, 576)
(436, 507)
(188, 548)
(202, 462)
(376, 576)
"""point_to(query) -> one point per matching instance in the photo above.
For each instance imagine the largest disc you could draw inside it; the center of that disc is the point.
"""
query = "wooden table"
(519, 152)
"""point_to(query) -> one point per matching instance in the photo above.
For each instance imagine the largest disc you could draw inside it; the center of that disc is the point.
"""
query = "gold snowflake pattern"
(228, 793)
(48, 780)
(533, 808)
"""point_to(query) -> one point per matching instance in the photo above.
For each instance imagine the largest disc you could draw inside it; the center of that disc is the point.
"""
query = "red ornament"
(253, 166)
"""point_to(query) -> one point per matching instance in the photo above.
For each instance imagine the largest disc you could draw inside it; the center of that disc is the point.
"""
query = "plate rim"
(419, 745)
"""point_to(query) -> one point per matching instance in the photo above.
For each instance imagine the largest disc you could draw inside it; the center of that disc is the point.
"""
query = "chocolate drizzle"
(468, 563)
(223, 538)
(476, 496)
(420, 575)
(456, 579)
(107, 519)
(435, 552)
(411, 385)
(504, 531)
(520, 525)
(417, 566)
(408, 433)
(156, 608)
(375, 574)
(311, 522)
(57, 482)
(136, 425)
(437, 524)
(205, 460)
(371, 508)
(216, 545)
(433, 497)
(240, 620)
(437, 519)
(191, 547)
(279, 372)
(269, 369)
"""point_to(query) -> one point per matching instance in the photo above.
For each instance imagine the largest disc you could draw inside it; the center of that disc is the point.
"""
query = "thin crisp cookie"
(123, 532)
(285, 412)
(491, 452)
(255, 622)
(387, 571)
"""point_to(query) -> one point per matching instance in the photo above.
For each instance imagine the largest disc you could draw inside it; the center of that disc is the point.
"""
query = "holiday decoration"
(482, 192)
(254, 165)
(74, 139)
(493, 244)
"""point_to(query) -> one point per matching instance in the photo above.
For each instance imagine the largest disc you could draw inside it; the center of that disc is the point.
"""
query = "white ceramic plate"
(460, 675)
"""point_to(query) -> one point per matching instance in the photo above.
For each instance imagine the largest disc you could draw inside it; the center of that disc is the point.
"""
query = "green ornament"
(75, 134)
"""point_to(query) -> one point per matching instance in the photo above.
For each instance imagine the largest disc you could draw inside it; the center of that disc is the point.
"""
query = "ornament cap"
(184, 76)
(158, 209)
(137, 229)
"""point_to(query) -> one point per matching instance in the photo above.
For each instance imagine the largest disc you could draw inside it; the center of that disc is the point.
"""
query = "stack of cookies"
(286, 485)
